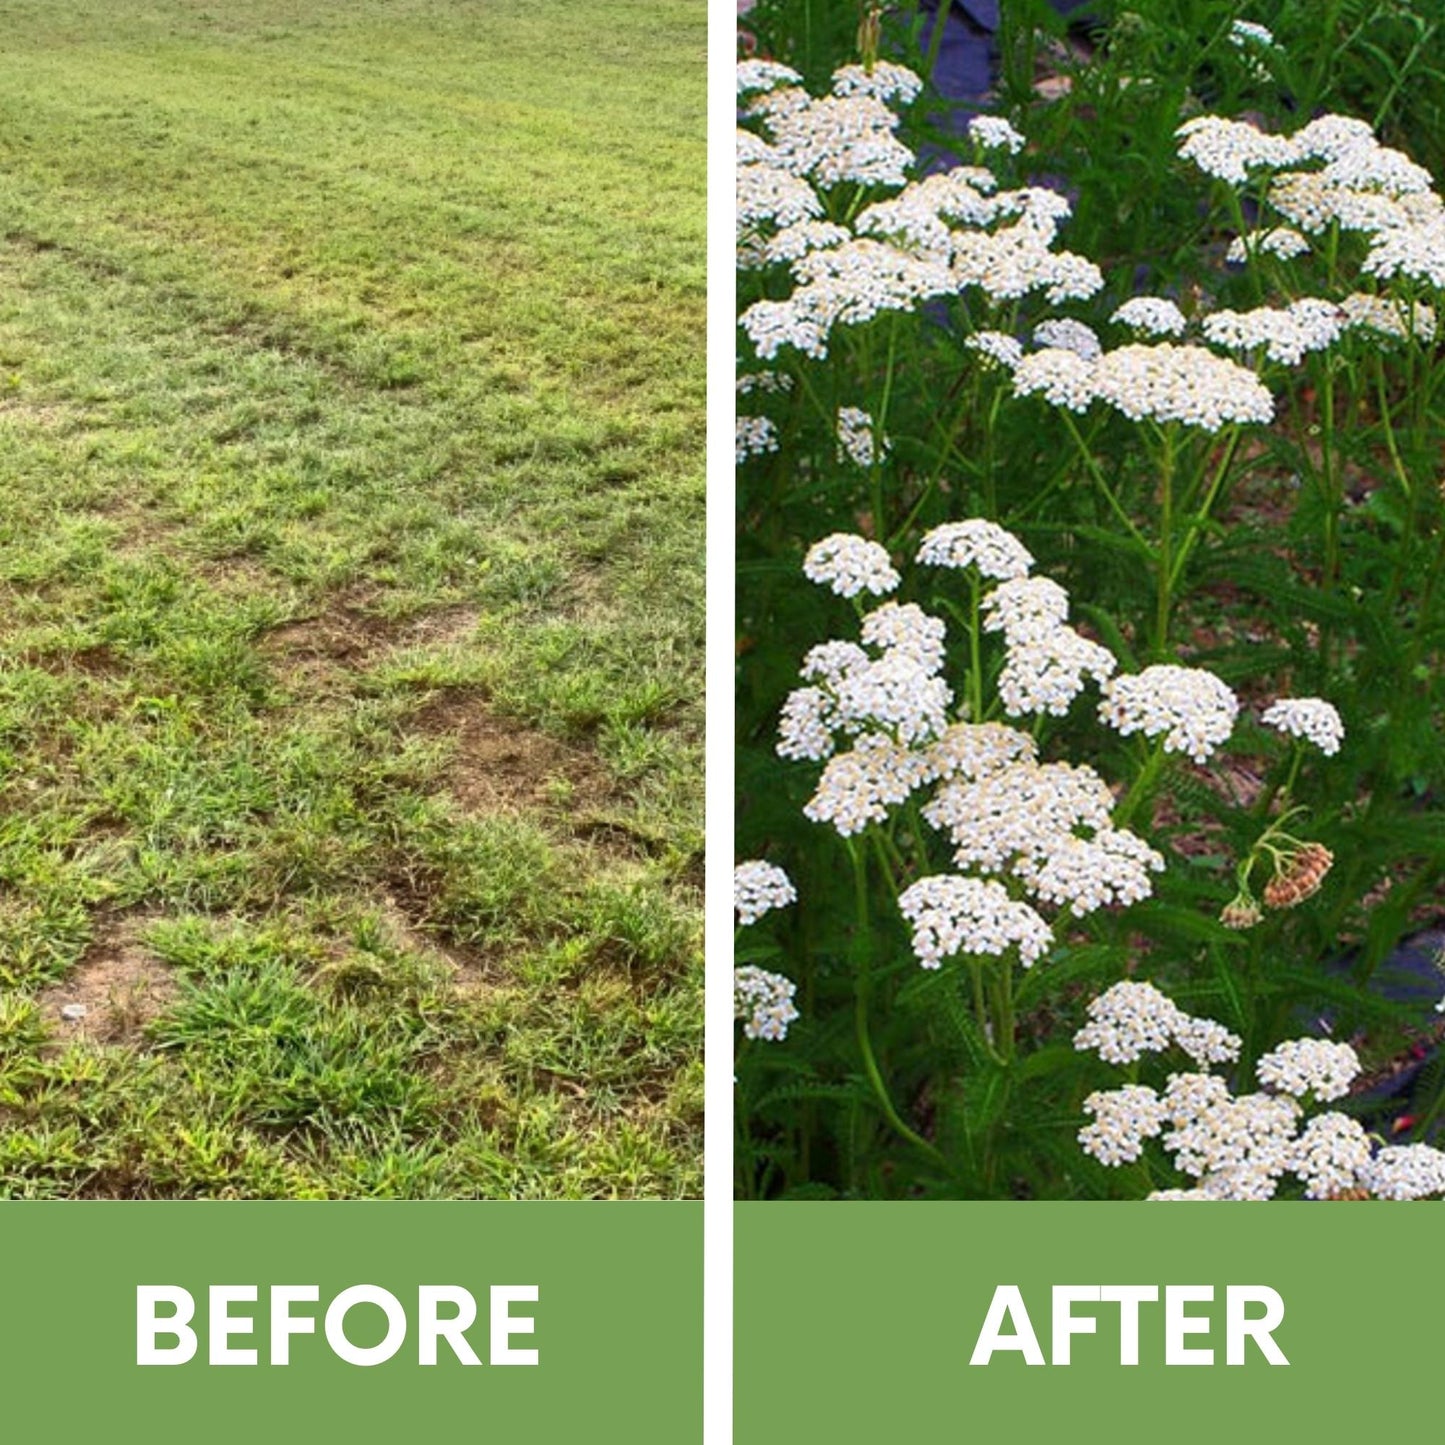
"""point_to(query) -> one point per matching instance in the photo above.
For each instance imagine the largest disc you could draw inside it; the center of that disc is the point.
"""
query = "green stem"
(1142, 786)
(1164, 597)
(975, 676)
(1101, 483)
(1198, 520)
(860, 1011)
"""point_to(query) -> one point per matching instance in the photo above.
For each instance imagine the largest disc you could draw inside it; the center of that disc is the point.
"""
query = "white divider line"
(718, 938)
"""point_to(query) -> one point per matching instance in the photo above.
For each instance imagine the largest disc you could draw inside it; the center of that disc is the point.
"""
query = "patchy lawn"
(351, 598)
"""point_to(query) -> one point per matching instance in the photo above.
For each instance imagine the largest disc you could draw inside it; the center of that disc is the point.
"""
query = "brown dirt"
(502, 766)
(348, 637)
(121, 986)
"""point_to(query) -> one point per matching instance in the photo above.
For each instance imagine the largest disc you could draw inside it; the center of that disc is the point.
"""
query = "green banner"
(858, 1322)
(609, 1297)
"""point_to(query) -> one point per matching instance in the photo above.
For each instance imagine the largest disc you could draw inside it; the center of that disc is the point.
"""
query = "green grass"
(351, 515)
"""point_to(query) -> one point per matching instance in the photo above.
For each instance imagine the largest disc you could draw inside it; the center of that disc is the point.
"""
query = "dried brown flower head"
(1241, 913)
(1299, 876)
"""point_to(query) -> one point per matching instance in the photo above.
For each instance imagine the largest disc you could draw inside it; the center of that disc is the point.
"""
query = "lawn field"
(351, 598)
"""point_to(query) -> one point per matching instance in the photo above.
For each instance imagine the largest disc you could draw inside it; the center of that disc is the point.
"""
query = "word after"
(167, 1333)
(1179, 1323)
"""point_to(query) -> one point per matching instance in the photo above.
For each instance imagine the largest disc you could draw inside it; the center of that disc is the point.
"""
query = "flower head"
(1191, 708)
(1311, 718)
(758, 888)
(848, 564)
(976, 543)
(952, 914)
(764, 1003)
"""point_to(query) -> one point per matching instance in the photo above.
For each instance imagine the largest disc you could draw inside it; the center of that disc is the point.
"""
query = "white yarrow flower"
(1409, 1171)
(1311, 718)
(848, 564)
(764, 1003)
(756, 75)
(1069, 335)
(755, 437)
(976, 543)
(885, 81)
(1153, 315)
(952, 915)
(1191, 708)
(855, 437)
(758, 888)
(993, 132)
(1310, 1066)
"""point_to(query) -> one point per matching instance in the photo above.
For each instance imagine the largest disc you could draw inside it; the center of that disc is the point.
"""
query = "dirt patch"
(348, 637)
(499, 765)
(115, 990)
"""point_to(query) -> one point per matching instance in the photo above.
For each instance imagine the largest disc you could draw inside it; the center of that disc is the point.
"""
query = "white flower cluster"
(1397, 320)
(1152, 315)
(1310, 1066)
(939, 235)
(1254, 41)
(764, 1002)
(767, 194)
(1069, 335)
(907, 629)
(1238, 1147)
(756, 75)
(1048, 826)
(892, 705)
(1286, 334)
(993, 132)
(859, 787)
(1180, 383)
(855, 438)
(976, 750)
(842, 285)
(1123, 1120)
(848, 564)
(794, 242)
(758, 888)
(995, 551)
(1334, 172)
(1330, 1154)
(952, 915)
(770, 383)
(1311, 718)
(755, 436)
(1131, 1019)
(1047, 661)
(997, 347)
(1405, 1171)
(839, 139)
(1245, 33)
(1161, 381)
(1063, 378)
(885, 81)
(1192, 708)
(898, 692)
(1283, 242)
(1021, 808)
(1229, 149)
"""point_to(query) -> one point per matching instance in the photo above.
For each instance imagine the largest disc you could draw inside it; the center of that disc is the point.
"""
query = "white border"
(718, 938)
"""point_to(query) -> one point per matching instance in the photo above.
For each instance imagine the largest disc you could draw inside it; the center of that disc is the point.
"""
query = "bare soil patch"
(115, 990)
(348, 637)
(499, 765)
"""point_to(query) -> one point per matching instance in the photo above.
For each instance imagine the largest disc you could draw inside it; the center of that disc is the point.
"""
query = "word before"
(1008, 1307)
(152, 1326)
